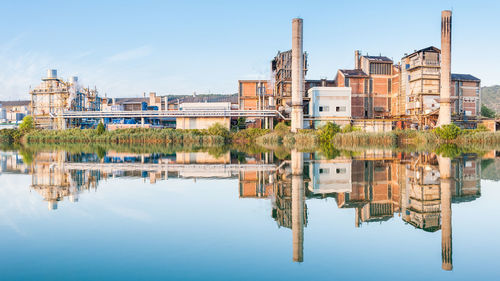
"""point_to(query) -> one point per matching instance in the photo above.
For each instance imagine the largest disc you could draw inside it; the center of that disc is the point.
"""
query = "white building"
(330, 104)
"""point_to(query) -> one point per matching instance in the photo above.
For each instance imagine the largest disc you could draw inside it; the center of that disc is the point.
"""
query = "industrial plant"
(376, 95)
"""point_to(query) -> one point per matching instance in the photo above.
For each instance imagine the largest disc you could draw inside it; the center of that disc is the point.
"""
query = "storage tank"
(52, 73)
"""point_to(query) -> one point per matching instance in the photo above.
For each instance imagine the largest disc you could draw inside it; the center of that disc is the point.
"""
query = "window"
(340, 109)
(366, 86)
(389, 85)
(371, 86)
(324, 170)
(324, 108)
(347, 82)
(341, 170)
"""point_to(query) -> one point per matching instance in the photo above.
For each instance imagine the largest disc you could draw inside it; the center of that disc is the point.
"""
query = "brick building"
(372, 83)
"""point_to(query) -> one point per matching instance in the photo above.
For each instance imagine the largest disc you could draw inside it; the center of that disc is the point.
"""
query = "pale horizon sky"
(126, 48)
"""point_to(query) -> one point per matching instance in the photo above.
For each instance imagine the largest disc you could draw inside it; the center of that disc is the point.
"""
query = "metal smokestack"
(445, 100)
(297, 75)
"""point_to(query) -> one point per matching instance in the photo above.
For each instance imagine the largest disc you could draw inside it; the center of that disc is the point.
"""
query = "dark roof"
(15, 103)
(428, 49)
(353, 73)
(128, 100)
(464, 77)
(378, 58)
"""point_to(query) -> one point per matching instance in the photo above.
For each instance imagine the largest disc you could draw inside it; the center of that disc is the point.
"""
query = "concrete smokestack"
(356, 59)
(445, 100)
(297, 75)
(446, 238)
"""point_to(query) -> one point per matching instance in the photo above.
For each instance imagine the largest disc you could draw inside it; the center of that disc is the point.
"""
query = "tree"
(487, 112)
(100, 129)
(27, 124)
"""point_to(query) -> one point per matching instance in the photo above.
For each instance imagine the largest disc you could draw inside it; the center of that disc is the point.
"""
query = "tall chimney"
(356, 59)
(445, 100)
(297, 75)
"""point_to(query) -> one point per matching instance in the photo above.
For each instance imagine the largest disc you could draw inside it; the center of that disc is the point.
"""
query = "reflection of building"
(330, 176)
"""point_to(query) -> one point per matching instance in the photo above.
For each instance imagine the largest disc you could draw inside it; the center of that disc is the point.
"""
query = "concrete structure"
(420, 84)
(329, 104)
(203, 122)
(297, 76)
(445, 100)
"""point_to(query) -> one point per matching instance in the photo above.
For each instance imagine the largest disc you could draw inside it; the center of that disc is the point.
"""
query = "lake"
(224, 214)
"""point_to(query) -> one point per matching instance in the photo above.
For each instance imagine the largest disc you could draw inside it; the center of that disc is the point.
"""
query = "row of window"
(337, 109)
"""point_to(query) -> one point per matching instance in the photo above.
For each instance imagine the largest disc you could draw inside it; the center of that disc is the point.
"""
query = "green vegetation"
(448, 132)
(126, 136)
(27, 124)
(100, 129)
(487, 112)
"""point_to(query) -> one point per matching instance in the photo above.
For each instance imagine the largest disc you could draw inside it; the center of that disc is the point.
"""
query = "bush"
(27, 125)
(327, 132)
(349, 128)
(281, 128)
(218, 129)
(100, 129)
(448, 132)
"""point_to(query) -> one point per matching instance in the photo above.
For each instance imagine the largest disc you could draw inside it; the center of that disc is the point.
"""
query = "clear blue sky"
(126, 48)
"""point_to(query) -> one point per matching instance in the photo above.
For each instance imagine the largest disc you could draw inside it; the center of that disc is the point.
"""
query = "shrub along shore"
(330, 135)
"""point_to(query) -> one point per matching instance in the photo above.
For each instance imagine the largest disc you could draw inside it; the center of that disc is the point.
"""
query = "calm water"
(233, 216)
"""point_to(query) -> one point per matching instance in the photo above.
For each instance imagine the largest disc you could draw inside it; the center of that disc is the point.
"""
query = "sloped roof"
(464, 77)
(428, 49)
(15, 103)
(378, 59)
(353, 73)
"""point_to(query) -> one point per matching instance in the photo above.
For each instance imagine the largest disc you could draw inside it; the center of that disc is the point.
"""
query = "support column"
(446, 237)
(266, 122)
(142, 121)
(297, 205)
(297, 75)
(445, 99)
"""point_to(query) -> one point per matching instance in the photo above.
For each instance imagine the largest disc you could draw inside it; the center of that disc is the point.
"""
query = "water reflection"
(419, 188)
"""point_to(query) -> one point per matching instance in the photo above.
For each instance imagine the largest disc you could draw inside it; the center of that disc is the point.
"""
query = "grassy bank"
(125, 136)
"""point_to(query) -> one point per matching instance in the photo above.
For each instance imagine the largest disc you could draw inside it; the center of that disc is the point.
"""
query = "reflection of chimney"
(297, 75)
(297, 205)
(446, 238)
(445, 101)
(356, 59)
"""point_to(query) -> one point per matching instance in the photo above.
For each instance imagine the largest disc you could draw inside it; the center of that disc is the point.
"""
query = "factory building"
(54, 96)
(14, 111)
(329, 104)
(371, 82)
(420, 84)
(466, 90)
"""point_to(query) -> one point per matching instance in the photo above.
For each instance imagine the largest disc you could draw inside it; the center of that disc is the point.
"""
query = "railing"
(170, 113)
